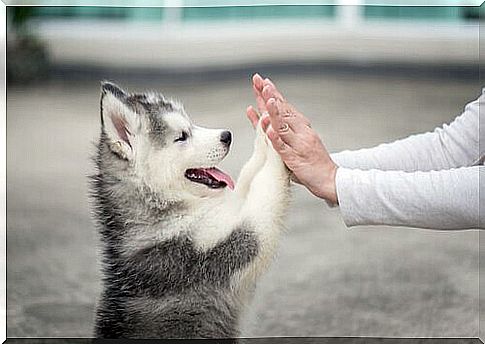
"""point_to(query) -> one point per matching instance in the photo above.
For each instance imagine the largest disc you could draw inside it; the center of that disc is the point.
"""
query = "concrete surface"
(326, 281)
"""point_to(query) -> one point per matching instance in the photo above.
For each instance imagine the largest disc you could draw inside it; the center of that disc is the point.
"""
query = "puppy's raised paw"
(261, 140)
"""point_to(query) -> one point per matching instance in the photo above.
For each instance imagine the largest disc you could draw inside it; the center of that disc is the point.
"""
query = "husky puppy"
(181, 251)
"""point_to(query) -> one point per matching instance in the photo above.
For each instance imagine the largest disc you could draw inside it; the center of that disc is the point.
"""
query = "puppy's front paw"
(275, 160)
(261, 141)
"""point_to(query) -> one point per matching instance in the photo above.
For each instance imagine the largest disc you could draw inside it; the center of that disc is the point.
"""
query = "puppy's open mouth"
(212, 177)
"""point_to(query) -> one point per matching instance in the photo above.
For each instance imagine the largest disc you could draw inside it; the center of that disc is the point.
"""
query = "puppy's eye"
(183, 137)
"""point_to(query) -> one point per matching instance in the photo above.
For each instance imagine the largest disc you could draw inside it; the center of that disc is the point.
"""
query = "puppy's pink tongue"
(221, 176)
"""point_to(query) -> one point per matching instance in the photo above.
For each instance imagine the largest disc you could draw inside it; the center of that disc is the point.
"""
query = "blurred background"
(363, 74)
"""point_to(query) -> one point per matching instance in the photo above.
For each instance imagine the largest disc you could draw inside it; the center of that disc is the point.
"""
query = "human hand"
(296, 142)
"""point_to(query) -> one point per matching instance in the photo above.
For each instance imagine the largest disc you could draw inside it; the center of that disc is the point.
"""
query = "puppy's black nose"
(226, 137)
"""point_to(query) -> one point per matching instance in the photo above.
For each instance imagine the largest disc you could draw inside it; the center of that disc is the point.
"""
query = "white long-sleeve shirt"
(430, 180)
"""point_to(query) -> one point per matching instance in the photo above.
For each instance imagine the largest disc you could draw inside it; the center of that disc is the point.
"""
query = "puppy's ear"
(119, 122)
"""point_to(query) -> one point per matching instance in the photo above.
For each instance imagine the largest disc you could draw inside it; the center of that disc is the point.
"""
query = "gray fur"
(152, 105)
(167, 289)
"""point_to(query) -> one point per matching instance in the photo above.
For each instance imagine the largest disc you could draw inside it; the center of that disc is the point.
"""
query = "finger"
(265, 123)
(260, 102)
(298, 124)
(274, 115)
(295, 120)
(269, 92)
(279, 145)
(252, 116)
(292, 116)
(258, 82)
(278, 94)
(286, 109)
(281, 127)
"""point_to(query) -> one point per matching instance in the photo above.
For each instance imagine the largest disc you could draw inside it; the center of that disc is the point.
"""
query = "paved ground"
(327, 280)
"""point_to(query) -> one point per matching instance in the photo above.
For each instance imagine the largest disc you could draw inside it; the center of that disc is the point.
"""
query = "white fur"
(259, 199)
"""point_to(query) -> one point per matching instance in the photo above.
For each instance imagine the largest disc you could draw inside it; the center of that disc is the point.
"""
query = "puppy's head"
(151, 140)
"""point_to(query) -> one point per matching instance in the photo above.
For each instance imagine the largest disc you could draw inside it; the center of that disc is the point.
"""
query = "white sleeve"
(451, 146)
(447, 199)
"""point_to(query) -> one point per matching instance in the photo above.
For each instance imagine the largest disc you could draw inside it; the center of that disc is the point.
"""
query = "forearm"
(410, 154)
(451, 146)
(447, 199)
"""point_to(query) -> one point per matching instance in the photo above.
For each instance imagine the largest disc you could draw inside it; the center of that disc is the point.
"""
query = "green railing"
(142, 13)
(419, 12)
(257, 12)
(370, 13)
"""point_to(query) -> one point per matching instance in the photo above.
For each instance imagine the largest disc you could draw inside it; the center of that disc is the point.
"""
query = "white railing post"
(172, 12)
(349, 13)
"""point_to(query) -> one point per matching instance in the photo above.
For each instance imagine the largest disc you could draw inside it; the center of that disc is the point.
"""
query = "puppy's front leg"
(254, 164)
(267, 202)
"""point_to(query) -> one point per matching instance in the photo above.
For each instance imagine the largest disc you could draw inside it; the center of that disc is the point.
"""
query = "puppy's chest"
(177, 265)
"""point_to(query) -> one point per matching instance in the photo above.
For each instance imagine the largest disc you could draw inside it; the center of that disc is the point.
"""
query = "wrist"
(327, 189)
